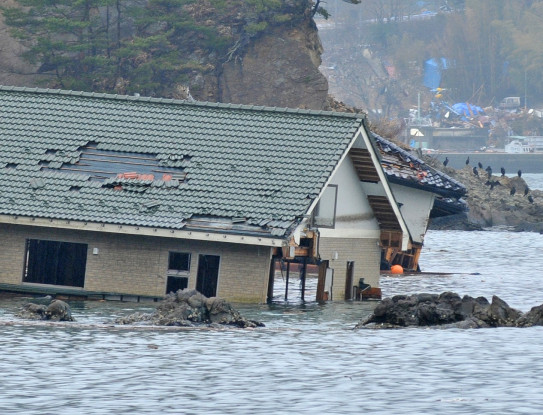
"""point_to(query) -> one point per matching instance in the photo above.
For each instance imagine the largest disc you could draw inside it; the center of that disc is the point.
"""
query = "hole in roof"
(75, 188)
(101, 165)
(11, 165)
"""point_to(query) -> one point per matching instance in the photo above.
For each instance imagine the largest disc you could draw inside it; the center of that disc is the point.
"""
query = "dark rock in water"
(447, 309)
(189, 308)
(32, 311)
(534, 317)
(56, 311)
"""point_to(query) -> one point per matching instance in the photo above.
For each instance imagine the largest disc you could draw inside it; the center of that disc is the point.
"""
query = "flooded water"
(533, 180)
(306, 360)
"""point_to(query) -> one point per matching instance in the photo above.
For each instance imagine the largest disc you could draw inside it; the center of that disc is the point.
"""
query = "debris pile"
(57, 310)
(449, 310)
(189, 308)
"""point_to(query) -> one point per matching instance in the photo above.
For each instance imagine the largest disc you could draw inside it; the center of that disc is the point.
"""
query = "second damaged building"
(422, 192)
(117, 196)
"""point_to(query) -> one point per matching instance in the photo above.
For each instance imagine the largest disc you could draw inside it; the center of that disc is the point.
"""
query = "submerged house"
(123, 197)
(422, 192)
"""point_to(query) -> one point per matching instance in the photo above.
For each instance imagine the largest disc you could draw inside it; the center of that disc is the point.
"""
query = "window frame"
(317, 208)
(173, 272)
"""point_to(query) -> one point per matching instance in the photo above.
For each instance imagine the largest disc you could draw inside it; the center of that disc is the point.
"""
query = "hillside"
(376, 54)
(248, 52)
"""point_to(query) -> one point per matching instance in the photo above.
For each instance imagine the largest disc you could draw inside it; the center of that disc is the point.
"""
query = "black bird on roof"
(475, 171)
(513, 191)
(446, 161)
(519, 173)
(526, 191)
(530, 199)
(503, 171)
(467, 161)
(480, 165)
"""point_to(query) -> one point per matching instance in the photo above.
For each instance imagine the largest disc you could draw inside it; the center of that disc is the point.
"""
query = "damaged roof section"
(100, 164)
(402, 167)
(165, 163)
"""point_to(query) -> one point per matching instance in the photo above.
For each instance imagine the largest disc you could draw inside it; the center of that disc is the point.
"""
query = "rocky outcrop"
(189, 308)
(534, 317)
(492, 201)
(57, 310)
(448, 310)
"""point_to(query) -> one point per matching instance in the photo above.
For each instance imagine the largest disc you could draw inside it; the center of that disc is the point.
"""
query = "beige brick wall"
(365, 253)
(137, 265)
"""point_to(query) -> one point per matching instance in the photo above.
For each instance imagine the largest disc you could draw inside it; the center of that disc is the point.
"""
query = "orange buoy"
(396, 269)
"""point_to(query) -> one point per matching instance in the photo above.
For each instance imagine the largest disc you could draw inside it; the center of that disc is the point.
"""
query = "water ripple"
(307, 360)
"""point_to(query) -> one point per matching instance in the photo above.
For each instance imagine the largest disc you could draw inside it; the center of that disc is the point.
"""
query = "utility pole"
(525, 88)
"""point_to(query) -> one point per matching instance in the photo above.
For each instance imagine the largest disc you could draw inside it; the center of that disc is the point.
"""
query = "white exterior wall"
(355, 236)
(416, 207)
(353, 211)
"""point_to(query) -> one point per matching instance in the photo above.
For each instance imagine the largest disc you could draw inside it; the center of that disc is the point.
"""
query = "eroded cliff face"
(277, 67)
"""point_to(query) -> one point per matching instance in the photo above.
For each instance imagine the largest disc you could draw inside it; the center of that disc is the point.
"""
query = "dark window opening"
(55, 263)
(176, 283)
(178, 262)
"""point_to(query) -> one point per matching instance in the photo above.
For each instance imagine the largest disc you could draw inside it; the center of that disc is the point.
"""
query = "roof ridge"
(103, 95)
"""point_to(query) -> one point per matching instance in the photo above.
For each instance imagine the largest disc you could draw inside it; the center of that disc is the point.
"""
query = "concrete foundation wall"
(365, 253)
(138, 265)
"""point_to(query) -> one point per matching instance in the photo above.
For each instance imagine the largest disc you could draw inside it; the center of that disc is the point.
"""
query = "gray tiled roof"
(404, 168)
(264, 165)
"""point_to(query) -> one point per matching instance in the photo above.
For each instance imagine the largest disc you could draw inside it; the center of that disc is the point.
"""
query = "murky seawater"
(306, 360)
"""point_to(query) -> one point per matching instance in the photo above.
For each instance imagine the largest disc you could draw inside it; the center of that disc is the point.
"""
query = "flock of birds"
(494, 183)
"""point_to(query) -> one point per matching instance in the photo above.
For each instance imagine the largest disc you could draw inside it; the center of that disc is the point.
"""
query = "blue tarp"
(432, 72)
(462, 109)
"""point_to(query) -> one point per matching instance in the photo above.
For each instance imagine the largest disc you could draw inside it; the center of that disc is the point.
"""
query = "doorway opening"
(55, 262)
(208, 274)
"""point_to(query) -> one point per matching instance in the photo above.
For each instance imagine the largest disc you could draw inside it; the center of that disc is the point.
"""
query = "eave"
(211, 235)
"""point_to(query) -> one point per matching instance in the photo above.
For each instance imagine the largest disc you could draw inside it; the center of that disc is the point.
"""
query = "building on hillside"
(422, 193)
(128, 197)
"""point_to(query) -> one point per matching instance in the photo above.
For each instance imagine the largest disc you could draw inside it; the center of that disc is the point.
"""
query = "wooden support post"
(271, 279)
(349, 280)
(302, 277)
(323, 266)
(286, 285)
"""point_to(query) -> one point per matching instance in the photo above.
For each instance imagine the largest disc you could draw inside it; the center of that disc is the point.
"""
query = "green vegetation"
(145, 46)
